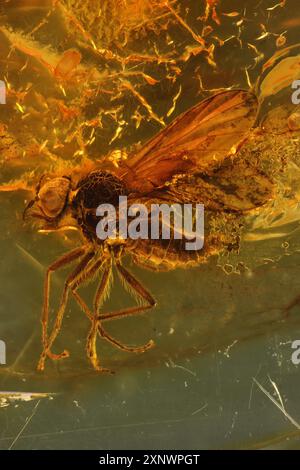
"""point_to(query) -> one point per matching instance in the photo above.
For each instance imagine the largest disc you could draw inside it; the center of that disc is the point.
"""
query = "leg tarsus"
(92, 350)
(54, 357)
(123, 347)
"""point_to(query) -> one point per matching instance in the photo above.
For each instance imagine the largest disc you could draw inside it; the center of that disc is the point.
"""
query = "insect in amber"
(204, 156)
(199, 142)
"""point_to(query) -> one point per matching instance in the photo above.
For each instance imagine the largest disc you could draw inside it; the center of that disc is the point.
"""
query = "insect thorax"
(98, 187)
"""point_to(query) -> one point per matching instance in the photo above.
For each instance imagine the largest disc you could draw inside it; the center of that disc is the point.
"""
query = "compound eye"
(51, 203)
(53, 196)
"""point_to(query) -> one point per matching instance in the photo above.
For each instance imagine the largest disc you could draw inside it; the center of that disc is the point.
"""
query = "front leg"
(75, 275)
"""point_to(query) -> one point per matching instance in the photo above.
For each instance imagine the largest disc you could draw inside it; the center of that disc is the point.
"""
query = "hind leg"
(97, 327)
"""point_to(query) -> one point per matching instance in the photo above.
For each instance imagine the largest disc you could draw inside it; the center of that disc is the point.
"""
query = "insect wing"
(236, 186)
(198, 140)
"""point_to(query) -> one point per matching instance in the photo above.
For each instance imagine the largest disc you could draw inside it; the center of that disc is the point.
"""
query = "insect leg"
(142, 293)
(89, 273)
(63, 261)
(104, 334)
(85, 276)
(92, 336)
(100, 294)
(135, 286)
(99, 297)
(124, 347)
(107, 336)
(74, 281)
(59, 263)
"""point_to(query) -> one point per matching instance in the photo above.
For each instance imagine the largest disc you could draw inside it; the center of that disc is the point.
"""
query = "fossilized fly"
(216, 154)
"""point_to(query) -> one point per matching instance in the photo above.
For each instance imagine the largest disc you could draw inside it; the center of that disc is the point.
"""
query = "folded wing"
(197, 141)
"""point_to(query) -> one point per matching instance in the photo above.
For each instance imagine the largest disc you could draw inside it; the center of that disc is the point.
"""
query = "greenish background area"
(214, 332)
